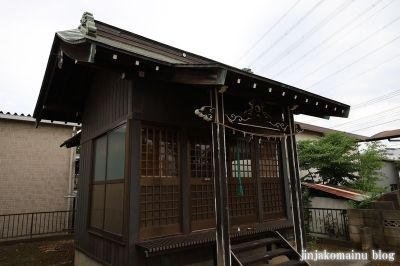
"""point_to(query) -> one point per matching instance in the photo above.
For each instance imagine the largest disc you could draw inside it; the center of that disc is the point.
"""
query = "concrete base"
(83, 260)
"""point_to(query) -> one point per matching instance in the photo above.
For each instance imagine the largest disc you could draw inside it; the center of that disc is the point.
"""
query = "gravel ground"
(61, 252)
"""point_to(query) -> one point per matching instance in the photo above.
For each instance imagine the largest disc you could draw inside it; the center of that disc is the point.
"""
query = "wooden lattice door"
(160, 204)
(240, 162)
(271, 178)
(201, 174)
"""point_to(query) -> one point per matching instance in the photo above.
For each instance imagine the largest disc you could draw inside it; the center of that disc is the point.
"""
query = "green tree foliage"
(332, 157)
(370, 162)
(366, 204)
(397, 163)
(335, 159)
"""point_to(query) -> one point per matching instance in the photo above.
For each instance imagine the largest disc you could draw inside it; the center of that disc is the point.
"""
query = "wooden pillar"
(185, 190)
(220, 181)
(295, 186)
(135, 132)
(257, 180)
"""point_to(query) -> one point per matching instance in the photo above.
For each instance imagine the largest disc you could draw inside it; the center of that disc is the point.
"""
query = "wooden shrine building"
(184, 160)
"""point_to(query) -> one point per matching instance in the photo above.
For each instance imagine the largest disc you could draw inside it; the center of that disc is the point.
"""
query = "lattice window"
(201, 160)
(245, 158)
(160, 183)
(391, 223)
(202, 202)
(269, 161)
(241, 205)
(159, 205)
(159, 153)
(272, 197)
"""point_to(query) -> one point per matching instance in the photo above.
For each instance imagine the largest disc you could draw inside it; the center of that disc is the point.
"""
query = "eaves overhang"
(126, 52)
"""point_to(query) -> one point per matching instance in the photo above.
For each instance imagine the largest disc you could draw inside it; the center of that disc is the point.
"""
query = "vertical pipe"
(220, 184)
(297, 208)
(71, 173)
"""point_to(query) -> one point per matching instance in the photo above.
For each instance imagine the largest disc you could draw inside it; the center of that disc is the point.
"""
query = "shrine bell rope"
(240, 190)
(257, 134)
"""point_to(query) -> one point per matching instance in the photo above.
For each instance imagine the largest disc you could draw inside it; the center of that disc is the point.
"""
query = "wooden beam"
(198, 76)
(62, 108)
(134, 191)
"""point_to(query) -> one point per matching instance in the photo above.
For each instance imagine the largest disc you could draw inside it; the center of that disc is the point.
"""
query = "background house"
(35, 174)
(332, 197)
(312, 132)
(393, 153)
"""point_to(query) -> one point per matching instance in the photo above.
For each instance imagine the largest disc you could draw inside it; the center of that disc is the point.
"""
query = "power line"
(370, 116)
(375, 100)
(363, 40)
(358, 60)
(265, 34)
(375, 125)
(330, 37)
(361, 74)
(310, 33)
(287, 32)
(337, 40)
(367, 103)
(369, 121)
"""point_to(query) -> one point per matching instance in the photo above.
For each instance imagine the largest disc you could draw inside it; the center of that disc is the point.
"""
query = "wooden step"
(292, 263)
(254, 244)
(265, 256)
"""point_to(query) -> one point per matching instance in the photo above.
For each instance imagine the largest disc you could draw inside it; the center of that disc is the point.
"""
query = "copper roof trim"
(338, 191)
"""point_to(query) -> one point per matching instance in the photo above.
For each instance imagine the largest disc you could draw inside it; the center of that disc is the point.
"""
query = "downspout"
(71, 169)
(71, 172)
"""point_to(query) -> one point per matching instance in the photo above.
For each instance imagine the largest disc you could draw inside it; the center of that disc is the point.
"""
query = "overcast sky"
(345, 50)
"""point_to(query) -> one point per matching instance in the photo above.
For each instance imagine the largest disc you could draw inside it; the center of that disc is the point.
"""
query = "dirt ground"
(61, 252)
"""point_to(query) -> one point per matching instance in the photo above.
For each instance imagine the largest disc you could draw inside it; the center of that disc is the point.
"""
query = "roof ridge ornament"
(88, 26)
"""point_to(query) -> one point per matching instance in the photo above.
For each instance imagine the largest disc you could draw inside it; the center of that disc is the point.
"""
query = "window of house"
(108, 181)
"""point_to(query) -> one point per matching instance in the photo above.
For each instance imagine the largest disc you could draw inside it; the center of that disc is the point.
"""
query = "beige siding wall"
(307, 135)
(34, 170)
(328, 203)
(392, 175)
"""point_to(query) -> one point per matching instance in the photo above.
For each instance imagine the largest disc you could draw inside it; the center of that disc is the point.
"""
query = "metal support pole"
(220, 182)
(295, 186)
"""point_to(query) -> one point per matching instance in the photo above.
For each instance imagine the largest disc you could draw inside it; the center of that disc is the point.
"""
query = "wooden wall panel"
(168, 103)
(83, 197)
(107, 102)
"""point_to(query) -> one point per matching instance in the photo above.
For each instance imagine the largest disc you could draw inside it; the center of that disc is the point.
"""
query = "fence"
(331, 222)
(27, 225)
